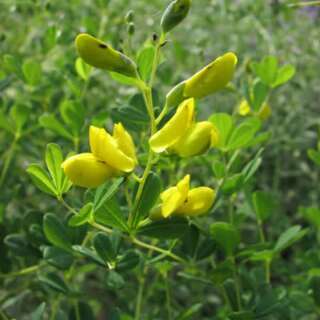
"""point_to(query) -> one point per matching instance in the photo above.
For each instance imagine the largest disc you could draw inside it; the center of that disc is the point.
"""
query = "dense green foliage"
(254, 256)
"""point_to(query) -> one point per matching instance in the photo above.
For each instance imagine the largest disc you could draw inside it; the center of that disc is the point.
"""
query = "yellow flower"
(181, 201)
(116, 151)
(182, 135)
(175, 128)
(211, 78)
(85, 170)
(196, 140)
(244, 108)
(110, 156)
(101, 55)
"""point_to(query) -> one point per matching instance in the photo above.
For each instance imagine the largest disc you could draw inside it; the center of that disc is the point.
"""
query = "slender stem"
(3, 315)
(54, 308)
(7, 161)
(168, 298)
(137, 315)
(162, 113)
(237, 283)
(156, 59)
(77, 311)
(268, 271)
(304, 4)
(22, 272)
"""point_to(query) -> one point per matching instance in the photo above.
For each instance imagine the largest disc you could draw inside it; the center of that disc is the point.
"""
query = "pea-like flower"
(182, 135)
(180, 200)
(110, 156)
(101, 55)
(212, 78)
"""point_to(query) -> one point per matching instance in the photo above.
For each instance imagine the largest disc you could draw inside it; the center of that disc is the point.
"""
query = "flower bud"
(176, 11)
(130, 16)
(196, 140)
(211, 78)
(100, 55)
(244, 108)
(265, 112)
(85, 170)
(131, 28)
(175, 128)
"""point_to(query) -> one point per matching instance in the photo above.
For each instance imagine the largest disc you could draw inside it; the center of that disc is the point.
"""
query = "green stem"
(156, 59)
(22, 272)
(237, 283)
(137, 315)
(304, 4)
(268, 271)
(168, 298)
(3, 315)
(7, 161)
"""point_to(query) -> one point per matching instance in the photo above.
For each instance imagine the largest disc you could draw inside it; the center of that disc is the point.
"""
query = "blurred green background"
(39, 35)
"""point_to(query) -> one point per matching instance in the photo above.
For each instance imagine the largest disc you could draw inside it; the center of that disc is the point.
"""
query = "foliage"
(107, 252)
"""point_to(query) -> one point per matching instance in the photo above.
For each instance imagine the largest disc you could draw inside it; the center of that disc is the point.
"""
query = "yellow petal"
(124, 141)
(199, 202)
(174, 197)
(85, 170)
(211, 78)
(175, 128)
(196, 140)
(244, 108)
(100, 55)
(105, 148)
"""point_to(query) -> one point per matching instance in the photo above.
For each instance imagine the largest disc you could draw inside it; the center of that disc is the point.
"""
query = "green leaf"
(13, 65)
(314, 156)
(134, 118)
(285, 73)
(54, 159)
(267, 70)
(264, 255)
(224, 123)
(105, 192)
(232, 184)
(18, 244)
(41, 179)
(223, 271)
(5, 122)
(290, 236)
(312, 214)
(226, 236)
(128, 261)
(243, 134)
(54, 282)
(83, 251)
(242, 315)
(20, 115)
(57, 257)
(50, 122)
(124, 79)
(165, 229)
(50, 38)
(260, 93)
(38, 314)
(85, 214)
(315, 286)
(110, 214)
(115, 281)
(264, 204)
(32, 72)
(145, 62)
(104, 247)
(82, 69)
(73, 114)
(56, 232)
(190, 312)
(149, 196)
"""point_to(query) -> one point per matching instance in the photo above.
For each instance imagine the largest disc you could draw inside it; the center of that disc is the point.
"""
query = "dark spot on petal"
(103, 46)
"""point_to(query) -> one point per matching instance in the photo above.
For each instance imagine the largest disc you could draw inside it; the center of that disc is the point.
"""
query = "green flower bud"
(176, 11)
(131, 28)
(130, 16)
(100, 55)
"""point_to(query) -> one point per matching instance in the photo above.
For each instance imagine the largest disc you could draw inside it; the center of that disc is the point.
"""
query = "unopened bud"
(176, 11)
